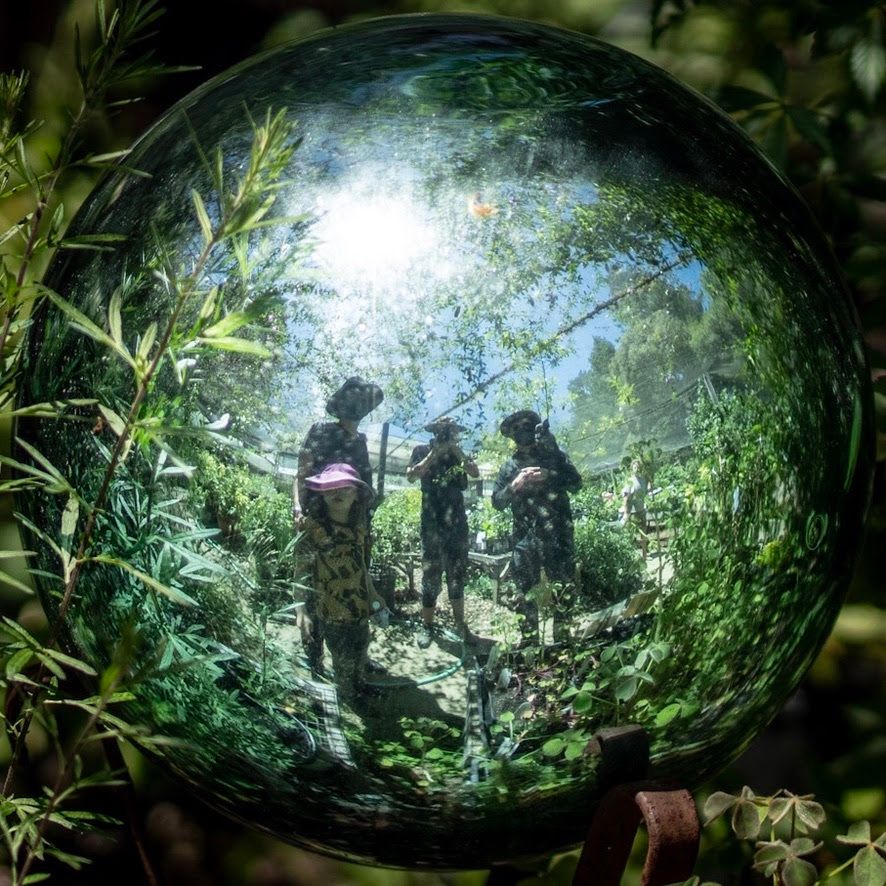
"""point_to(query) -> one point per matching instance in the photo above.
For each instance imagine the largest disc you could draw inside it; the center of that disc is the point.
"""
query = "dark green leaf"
(738, 98)
(869, 867)
(626, 688)
(583, 703)
(746, 820)
(859, 834)
(799, 872)
(769, 856)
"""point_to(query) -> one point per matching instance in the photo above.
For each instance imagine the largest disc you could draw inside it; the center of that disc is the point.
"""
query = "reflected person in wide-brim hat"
(520, 419)
(355, 399)
(444, 426)
(338, 442)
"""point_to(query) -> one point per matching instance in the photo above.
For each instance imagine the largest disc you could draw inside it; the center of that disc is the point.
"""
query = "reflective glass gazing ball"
(523, 400)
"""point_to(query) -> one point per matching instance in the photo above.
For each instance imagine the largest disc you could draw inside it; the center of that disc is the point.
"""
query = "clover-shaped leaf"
(745, 819)
(717, 804)
(869, 867)
(859, 834)
(799, 872)
(808, 815)
(787, 860)
(769, 856)
(869, 864)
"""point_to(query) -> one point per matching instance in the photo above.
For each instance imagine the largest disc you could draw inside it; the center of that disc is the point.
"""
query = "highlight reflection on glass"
(539, 411)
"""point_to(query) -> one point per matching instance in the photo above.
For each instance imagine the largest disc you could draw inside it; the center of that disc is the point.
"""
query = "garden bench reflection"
(496, 566)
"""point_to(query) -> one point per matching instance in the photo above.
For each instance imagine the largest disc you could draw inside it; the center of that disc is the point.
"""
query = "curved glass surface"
(533, 407)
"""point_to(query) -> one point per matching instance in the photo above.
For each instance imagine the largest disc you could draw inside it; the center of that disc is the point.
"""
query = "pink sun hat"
(336, 476)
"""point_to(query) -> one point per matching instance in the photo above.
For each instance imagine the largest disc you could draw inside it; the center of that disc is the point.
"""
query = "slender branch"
(116, 762)
(252, 185)
(64, 774)
(564, 330)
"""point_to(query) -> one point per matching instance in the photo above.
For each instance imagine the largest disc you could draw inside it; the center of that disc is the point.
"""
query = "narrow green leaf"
(228, 324)
(50, 409)
(202, 215)
(115, 322)
(71, 662)
(16, 630)
(171, 593)
(15, 583)
(207, 309)
(43, 461)
(238, 345)
(17, 662)
(115, 421)
(94, 242)
(147, 341)
(83, 324)
(50, 665)
(70, 516)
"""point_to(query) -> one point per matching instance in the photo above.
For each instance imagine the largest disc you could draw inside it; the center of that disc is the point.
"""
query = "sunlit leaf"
(202, 215)
(82, 323)
(867, 60)
(238, 345)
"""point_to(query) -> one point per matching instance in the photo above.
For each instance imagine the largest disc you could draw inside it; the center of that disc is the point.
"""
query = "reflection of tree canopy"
(609, 258)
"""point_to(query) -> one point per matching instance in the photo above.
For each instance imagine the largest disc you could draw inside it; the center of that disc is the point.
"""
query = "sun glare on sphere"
(370, 241)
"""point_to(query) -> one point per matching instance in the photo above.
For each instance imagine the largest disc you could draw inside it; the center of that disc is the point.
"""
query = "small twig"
(64, 774)
(116, 762)
(564, 330)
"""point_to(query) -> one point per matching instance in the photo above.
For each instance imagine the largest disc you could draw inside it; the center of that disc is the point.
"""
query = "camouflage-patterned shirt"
(340, 589)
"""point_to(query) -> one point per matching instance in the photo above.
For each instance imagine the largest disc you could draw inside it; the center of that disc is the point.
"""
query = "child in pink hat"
(340, 600)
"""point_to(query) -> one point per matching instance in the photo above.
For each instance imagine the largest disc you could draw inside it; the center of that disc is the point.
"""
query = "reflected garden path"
(436, 683)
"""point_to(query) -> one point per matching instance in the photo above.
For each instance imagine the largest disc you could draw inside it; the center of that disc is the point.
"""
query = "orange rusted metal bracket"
(673, 827)
(668, 811)
(627, 799)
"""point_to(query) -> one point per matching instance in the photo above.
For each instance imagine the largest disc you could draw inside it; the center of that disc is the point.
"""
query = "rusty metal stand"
(627, 798)
(668, 811)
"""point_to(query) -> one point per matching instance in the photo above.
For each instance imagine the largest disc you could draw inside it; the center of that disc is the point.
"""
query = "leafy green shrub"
(245, 506)
(611, 568)
(588, 503)
(396, 526)
(482, 517)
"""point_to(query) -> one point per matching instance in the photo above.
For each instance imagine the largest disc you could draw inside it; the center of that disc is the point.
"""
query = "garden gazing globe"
(446, 390)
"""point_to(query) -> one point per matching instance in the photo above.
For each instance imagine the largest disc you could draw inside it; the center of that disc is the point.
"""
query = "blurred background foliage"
(807, 80)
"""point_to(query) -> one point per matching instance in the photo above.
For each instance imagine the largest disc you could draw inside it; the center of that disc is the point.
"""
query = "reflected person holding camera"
(443, 469)
(534, 483)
